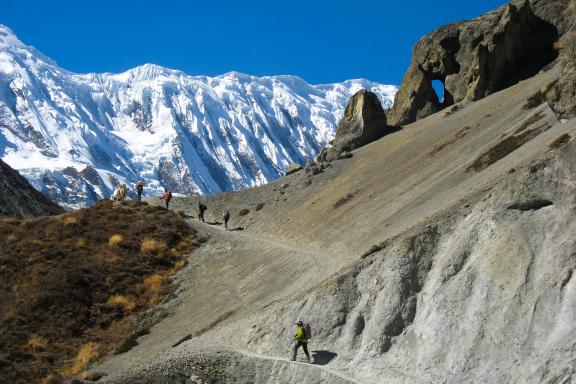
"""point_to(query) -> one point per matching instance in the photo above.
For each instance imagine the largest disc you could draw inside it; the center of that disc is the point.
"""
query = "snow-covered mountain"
(76, 136)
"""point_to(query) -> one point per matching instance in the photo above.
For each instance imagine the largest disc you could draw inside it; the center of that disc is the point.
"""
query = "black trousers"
(304, 347)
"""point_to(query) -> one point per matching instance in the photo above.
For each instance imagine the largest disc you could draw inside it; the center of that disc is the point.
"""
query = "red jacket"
(167, 196)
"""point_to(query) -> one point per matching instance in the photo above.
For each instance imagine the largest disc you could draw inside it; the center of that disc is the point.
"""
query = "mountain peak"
(77, 136)
(8, 38)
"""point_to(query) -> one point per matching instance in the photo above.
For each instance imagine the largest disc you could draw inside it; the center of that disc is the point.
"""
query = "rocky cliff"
(476, 58)
(18, 198)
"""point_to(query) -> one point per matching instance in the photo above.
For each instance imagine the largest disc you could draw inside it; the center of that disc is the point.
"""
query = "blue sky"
(320, 41)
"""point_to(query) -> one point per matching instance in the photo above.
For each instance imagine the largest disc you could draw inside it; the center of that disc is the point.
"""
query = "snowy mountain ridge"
(76, 136)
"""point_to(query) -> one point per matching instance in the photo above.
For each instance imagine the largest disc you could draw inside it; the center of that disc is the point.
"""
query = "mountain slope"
(77, 136)
(443, 252)
(19, 199)
(411, 265)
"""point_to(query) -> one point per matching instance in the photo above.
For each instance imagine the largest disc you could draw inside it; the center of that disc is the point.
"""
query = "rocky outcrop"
(561, 95)
(473, 59)
(18, 198)
(293, 168)
(364, 121)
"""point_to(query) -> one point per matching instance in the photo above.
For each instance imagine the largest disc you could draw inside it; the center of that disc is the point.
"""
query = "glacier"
(75, 137)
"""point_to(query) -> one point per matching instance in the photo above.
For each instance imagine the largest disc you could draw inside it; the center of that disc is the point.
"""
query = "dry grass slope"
(73, 287)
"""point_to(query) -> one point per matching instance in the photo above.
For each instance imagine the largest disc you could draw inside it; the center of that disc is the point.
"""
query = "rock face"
(364, 121)
(292, 168)
(18, 198)
(475, 58)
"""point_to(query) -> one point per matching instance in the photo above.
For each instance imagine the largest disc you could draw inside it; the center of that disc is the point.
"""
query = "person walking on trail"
(201, 209)
(139, 190)
(301, 338)
(167, 196)
(226, 217)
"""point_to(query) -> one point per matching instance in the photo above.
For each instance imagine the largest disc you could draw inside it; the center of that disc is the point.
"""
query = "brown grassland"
(74, 287)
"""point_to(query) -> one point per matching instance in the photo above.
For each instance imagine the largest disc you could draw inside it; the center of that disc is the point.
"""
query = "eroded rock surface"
(364, 121)
(476, 58)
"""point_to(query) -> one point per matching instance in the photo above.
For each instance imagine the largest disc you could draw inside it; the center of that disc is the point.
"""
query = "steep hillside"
(76, 136)
(77, 286)
(19, 199)
(443, 252)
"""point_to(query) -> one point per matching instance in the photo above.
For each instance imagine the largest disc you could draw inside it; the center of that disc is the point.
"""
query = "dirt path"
(234, 274)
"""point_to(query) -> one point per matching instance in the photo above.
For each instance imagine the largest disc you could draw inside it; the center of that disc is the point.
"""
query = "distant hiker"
(302, 337)
(120, 193)
(201, 209)
(167, 196)
(139, 190)
(226, 217)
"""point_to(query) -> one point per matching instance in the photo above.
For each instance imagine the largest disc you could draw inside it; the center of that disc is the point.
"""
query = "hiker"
(120, 193)
(226, 217)
(167, 196)
(201, 209)
(301, 338)
(139, 190)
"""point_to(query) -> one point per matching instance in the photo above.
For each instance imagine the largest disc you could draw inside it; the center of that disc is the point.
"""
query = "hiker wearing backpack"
(167, 196)
(226, 217)
(201, 209)
(302, 337)
(139, 190)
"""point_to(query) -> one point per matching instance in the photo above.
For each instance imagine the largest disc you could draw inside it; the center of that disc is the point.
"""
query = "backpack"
(202, 207)
(169, 196)
(308, 330)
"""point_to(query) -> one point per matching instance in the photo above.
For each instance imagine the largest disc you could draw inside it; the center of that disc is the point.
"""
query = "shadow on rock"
(323, 357)
(213, 223)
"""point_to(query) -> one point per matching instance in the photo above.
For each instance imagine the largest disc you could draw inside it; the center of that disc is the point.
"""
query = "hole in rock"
(438, 87)
(530, 205)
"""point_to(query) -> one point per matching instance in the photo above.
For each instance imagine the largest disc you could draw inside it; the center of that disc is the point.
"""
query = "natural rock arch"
(474, 59)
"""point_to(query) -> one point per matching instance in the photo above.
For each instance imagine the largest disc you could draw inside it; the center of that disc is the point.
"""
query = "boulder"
(364, 121)
(473, 59)
(293, 168)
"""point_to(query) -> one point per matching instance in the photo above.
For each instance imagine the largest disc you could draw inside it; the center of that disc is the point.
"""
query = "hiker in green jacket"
(301, 341)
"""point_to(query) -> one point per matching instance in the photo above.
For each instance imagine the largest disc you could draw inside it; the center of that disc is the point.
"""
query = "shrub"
(69, 220)
(120, 300)
(259, 206)
(85, 356)
(243, 212)
(153, 285)
(114, 240)
(37, 343)
(151, 245)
